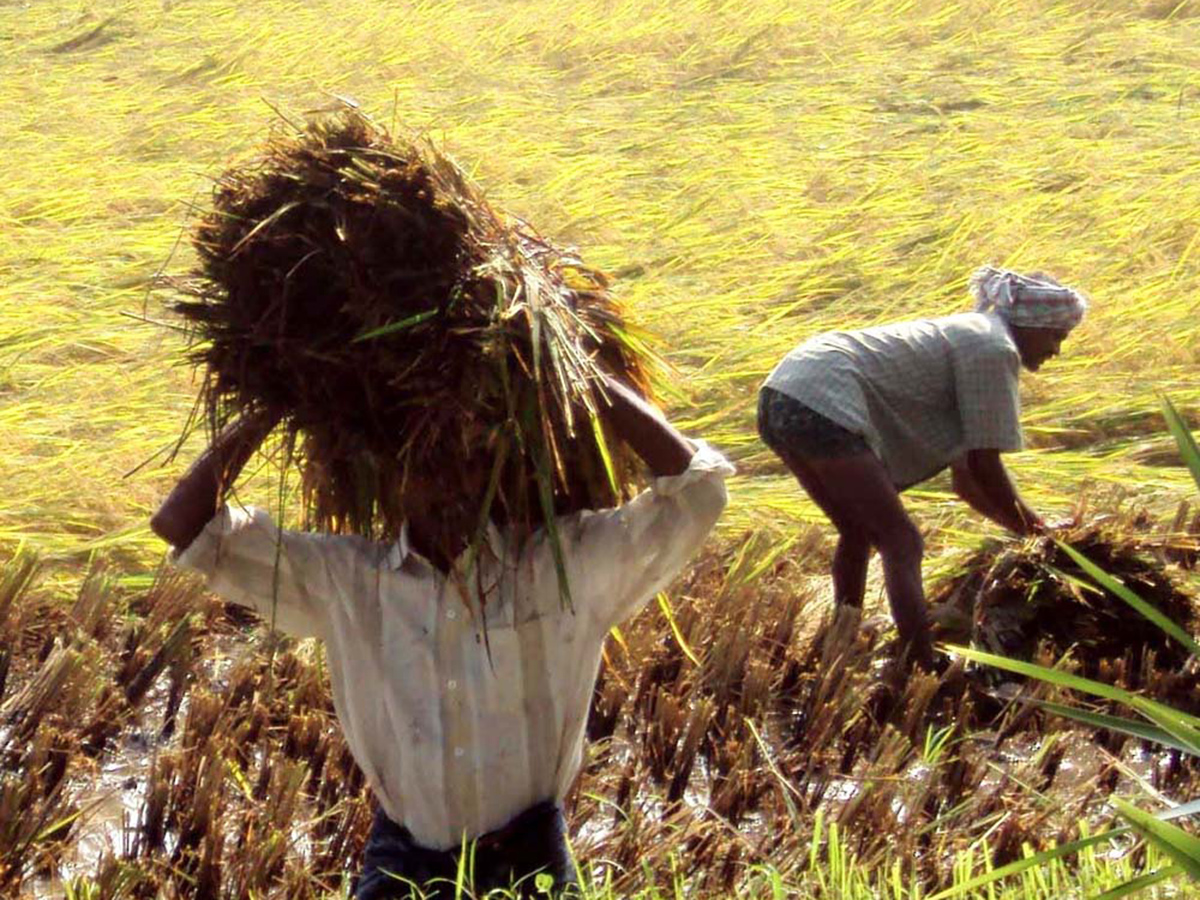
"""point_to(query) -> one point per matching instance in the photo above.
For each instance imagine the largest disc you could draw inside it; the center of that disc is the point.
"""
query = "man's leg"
(850, 568)
(853, 550)
(850, 559)
(860, 499)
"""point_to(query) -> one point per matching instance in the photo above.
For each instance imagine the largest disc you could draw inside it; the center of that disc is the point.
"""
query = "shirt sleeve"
(617, 559)
(989, 399)
(285, 576)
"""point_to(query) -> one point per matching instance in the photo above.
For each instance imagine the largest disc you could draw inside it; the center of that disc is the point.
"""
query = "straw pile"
(1022, 596)
(421, 349)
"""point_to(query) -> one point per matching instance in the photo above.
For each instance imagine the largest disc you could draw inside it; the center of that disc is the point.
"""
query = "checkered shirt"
(921, 393)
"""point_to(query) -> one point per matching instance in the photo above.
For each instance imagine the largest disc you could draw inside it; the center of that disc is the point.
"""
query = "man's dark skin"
(195, 499)
(858, 496)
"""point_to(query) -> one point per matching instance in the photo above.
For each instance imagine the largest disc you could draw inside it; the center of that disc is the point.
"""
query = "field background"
(751, 171)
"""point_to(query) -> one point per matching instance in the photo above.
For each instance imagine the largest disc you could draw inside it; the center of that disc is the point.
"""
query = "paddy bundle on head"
(1028, 301)
(357, 285)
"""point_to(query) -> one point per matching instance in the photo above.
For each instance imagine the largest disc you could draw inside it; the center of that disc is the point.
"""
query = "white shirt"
(453, 740)
(920, 393)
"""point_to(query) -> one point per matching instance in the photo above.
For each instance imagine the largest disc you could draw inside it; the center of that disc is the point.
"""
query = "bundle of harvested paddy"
(419, 347)
(1022, 595)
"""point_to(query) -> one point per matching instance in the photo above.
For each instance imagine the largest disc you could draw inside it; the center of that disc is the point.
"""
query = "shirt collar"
(401, 548)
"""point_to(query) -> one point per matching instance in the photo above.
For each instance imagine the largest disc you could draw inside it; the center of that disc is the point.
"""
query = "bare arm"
(981, 479)
(645, 429)
(193, 501)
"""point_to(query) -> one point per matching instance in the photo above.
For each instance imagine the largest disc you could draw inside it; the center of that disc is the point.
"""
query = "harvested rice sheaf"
(420, 348)
(1024, 595)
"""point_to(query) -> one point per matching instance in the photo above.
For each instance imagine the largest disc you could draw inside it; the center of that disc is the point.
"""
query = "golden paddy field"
(751, 172)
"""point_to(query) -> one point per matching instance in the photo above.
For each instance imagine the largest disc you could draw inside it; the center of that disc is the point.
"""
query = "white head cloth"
(1029, 301)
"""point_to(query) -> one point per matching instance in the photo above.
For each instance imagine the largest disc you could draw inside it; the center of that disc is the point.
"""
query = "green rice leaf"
(778, 549)
(1179, 725)
(786, 788)
(1030, 862)
(1131, 727)
(545, 483)
(1135, 885)
(485, 509)
(239, 778)
(664, 603)
(1067, 578)
(610, 472)
(1118, 589)
(619, 636)
(393, 327)
(1176, 843)
(1041, 673)
(55, 827)
(1183, 438)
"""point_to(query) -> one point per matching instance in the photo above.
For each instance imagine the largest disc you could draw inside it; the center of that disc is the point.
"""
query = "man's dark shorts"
(787, 426)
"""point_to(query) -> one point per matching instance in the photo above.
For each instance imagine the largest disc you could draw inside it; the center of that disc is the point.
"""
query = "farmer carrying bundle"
(465, 407)
(859, 416)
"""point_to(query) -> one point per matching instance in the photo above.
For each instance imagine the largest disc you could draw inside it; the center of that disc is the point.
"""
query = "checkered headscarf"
(1030, 301)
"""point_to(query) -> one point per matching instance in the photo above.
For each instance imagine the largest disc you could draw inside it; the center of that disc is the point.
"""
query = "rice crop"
(726, 735)
(854, 187)
(1019, 597)
(413, 340)
(749, 173)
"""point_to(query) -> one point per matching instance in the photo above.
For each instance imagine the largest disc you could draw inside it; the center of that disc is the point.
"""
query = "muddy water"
(110, 797)
(109, 804)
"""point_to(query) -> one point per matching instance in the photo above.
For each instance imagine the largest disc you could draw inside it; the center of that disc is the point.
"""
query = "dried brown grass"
(725, 733)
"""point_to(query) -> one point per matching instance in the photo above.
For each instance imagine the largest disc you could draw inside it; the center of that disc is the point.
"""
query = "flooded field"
(155, 737)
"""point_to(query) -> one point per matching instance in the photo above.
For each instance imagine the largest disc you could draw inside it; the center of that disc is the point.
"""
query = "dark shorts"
(534, 842)
(788, 426)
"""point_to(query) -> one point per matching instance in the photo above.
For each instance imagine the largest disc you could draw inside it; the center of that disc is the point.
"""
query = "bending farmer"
(467, 719)
(858, 416)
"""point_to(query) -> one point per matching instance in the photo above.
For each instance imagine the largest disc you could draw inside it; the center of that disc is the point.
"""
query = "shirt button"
(451, 613)
(458, 752)
(452, 684)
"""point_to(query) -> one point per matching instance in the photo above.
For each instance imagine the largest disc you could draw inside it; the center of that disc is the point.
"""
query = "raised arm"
(622, 556)
(194, 500)
(981, 479)
(645, 429)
